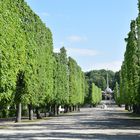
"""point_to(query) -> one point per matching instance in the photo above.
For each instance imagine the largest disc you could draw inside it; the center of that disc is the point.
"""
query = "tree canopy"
(31, 74)
(130, 72)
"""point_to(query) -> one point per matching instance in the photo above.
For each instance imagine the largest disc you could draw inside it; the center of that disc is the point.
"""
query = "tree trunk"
(45, 113)
(78, 108)
(18, 112)
(65, 109)
(30, 112)
(126, 106)
(55, 110)
(51, 110)
(70, 108)
(73, 108)
(129, 108)
(120, 105)
(38, 115)
(136, 109)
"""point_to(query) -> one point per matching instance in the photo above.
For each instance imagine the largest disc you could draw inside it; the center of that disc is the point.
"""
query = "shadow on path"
(89, 124)
(32, 136)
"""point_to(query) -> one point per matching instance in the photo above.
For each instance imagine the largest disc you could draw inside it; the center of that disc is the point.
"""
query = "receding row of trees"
(96, 95)
(128, 92)
(31, 75)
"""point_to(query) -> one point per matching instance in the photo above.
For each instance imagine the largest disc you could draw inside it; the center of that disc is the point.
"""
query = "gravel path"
(89, 123)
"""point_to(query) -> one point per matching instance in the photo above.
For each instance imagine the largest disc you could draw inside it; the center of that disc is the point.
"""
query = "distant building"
(108, 93)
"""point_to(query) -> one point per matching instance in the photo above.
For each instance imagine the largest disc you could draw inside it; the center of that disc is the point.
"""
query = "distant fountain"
(107, 94)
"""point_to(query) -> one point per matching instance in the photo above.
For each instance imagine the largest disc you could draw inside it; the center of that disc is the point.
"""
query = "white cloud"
(44, 14)
(62, 44)
(112, 65)
(81, 52)
(56, 50)
(76, 38)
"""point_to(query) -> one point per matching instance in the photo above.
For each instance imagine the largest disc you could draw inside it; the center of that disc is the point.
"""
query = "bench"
(104, 106)
(60, 109)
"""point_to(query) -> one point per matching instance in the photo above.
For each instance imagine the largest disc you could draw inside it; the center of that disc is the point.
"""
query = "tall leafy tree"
(117, 94)
(129, 80)
(96, 95)
(25, 46)
(76, 83)
(61, 79)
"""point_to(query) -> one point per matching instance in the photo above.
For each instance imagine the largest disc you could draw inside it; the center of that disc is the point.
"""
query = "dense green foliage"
(61, 78)
(76, 83)
(117, 94)
(96, 95)
(99, 78)
(130, 70)
(30, 73)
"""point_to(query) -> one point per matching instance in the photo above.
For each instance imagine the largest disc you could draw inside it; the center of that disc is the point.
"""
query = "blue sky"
(92, 31)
